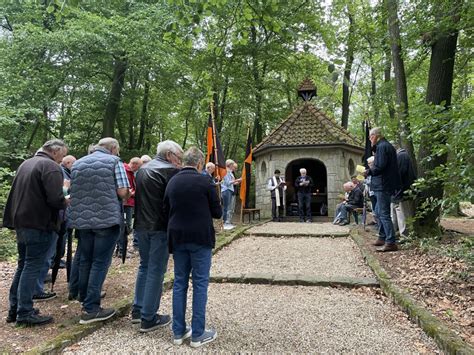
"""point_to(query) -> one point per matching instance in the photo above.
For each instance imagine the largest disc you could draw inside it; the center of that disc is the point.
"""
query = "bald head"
(67, 161)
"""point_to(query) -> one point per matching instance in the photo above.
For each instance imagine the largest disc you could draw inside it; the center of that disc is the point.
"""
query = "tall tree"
(400, 78)
(346, 82)
(432, 153)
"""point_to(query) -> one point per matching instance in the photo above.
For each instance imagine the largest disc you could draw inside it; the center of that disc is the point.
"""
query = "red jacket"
(131, 179)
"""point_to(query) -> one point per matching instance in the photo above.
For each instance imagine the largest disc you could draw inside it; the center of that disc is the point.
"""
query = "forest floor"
(438, 274)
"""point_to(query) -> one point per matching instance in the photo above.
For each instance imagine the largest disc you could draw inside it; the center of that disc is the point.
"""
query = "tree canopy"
(144, 71)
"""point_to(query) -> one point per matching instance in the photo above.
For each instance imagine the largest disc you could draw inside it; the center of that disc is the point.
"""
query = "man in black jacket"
(32, 209)
(150, 227)
(402, 205)
(385, 181)
(354, 200)
(192, 204)
(303, 185)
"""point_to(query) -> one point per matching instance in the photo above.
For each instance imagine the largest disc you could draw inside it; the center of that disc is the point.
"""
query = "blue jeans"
(74, 275)
(153, 247)
(96, 248)
(39, 288)
(382, 210)
(196, 259)
(226, 201)
(33, 246)
(304, 206)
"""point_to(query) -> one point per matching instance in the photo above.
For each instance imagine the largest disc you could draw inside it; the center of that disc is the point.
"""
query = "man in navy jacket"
(385, 181)
(191, 203)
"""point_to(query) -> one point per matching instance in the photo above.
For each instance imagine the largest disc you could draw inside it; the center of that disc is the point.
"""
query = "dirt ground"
(118, 285)
(443, 284)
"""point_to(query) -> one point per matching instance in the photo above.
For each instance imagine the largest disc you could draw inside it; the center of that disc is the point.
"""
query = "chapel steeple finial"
(307, 90)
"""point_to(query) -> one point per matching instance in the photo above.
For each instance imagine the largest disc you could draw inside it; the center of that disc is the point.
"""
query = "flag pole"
(216, 159)
(242, 203)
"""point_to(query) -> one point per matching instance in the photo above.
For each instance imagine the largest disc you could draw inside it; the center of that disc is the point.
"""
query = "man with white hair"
(150, 228)
(303, 185)
(385, 181)
(99, 184)
(145, 159)
(209, 171)
(355, 199)
(32, 209)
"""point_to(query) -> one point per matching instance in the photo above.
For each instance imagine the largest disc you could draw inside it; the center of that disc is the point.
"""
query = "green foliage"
(8, 250)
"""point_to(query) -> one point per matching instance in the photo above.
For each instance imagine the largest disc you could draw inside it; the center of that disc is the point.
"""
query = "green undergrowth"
(7, 245)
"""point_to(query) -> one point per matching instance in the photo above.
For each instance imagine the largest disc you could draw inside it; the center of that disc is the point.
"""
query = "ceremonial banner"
(246, 172)
(215, 153)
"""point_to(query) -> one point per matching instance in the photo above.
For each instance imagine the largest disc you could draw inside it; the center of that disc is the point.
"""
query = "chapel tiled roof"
(307, 125)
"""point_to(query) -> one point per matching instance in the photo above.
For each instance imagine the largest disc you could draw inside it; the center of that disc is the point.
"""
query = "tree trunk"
(347, 73)
(144, 113)
(186, 123)
(400, 78)
(439, 92)
(132, 112)
(113, 104)
(257, 134)
(388, 80)
(373, 86)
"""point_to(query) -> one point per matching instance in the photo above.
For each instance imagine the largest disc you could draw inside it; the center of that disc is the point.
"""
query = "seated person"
(354, 199)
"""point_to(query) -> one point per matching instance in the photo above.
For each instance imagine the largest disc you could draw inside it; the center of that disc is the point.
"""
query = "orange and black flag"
(214, 150)
(246, 173)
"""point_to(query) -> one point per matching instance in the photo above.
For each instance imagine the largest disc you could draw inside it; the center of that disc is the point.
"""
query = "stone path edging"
(444, 337)
(294, 279)
(296, 235)
(79, 331)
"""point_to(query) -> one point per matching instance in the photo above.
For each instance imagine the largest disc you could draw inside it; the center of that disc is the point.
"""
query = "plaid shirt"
(121, 178)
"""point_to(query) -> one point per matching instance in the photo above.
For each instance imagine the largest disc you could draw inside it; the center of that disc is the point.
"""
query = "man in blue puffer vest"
(98, 185)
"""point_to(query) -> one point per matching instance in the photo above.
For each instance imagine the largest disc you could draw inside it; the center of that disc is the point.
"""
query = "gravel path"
(257, 318)
(327, 257)
(293, 228)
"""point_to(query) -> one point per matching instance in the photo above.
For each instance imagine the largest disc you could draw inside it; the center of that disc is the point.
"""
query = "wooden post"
(216, 157)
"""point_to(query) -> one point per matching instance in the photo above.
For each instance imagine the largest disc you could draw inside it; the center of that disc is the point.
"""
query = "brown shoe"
(379, 243)
(388, 247)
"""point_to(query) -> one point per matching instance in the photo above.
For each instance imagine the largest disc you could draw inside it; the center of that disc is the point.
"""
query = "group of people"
(388, 179)
(303, 186)
(173, 203)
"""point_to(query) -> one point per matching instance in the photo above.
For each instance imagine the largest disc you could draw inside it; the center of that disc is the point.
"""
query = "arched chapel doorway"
(319, 200)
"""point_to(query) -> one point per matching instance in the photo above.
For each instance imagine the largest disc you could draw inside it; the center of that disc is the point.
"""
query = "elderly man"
(304, 184)
(209, 171)
(99, 184)
(32, 209)
(150, 227)
(192, 204)
(402, 207)
(384, 182)
(354, 199)
(277, 187)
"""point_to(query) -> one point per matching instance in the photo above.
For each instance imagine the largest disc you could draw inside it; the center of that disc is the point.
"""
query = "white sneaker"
(228, 226)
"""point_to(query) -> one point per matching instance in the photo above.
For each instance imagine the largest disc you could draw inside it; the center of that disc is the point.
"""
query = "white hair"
(54, 145)
(229, 162)
(193, 156)
(108, 143)
(168, 146)
(145, 158)
(302, 170)
(376, 131)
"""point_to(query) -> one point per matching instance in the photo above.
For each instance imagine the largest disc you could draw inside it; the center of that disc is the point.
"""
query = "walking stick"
(216, 157)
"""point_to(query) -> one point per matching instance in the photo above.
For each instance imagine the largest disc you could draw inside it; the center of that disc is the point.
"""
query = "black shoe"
(100, 315)
(45, 296)
(34, 319)
(136, 316)
(62, 264)
(161, 321)
(72, 297)
(12, 315)
(343, 223)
